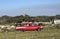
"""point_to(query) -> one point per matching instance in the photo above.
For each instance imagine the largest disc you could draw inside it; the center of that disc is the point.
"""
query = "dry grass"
(44, 34)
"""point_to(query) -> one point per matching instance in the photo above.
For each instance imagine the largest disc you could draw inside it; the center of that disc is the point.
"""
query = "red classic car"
(29, 27)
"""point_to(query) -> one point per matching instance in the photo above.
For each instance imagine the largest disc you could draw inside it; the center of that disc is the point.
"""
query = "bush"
(58, 26)
(4, 29)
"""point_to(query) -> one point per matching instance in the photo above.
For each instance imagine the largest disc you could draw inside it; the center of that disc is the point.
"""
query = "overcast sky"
(30, 7)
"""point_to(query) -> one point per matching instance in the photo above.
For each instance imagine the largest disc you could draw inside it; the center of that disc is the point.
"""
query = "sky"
(29, 7)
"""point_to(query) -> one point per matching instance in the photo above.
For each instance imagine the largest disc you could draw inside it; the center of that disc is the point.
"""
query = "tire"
(22, 30)
(38, 29)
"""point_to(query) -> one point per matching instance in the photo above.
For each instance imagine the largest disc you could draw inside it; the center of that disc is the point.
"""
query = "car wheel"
(22, 30)
(38, 29)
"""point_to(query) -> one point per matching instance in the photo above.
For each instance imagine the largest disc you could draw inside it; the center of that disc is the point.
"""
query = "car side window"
(40, 24)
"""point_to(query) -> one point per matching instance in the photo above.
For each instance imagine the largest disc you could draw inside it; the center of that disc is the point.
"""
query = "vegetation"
(57, 26)
(8, 19)
(46, 33)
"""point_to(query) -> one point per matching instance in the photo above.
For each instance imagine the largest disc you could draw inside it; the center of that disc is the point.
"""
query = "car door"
(31, 28)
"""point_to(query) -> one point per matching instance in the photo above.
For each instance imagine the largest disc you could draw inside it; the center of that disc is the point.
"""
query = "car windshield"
(27, 24)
